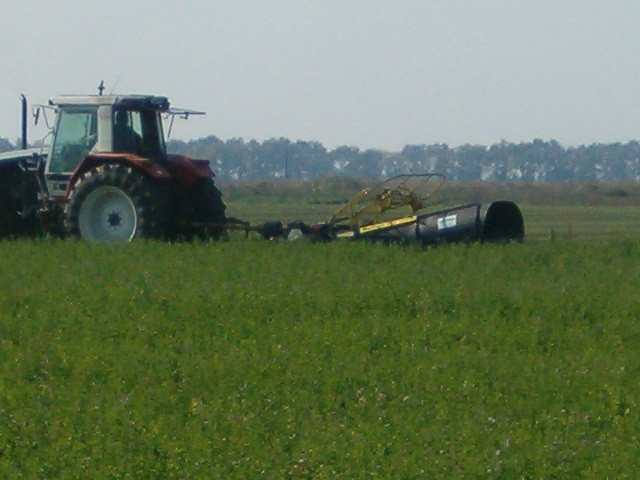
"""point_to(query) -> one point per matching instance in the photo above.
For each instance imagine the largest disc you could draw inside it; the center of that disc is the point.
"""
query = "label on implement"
(447, 222)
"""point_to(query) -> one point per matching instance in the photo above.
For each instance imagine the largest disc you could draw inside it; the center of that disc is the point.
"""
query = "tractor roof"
(129, 101)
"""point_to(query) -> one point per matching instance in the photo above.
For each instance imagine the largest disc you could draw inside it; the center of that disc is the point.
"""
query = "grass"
(251, 359)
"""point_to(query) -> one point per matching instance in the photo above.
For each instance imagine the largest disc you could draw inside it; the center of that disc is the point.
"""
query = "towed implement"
(402, 210)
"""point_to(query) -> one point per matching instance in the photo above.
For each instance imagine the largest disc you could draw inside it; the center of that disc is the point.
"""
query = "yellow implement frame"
(374, 227)
(364, 213)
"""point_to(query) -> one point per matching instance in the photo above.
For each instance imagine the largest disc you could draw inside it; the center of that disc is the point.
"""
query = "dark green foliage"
(251, 359)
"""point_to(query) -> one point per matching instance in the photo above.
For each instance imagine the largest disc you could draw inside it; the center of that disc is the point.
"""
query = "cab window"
(138, 132)
(75, 136)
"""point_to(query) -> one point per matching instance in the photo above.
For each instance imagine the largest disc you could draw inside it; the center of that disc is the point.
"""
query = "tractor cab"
(109, 124)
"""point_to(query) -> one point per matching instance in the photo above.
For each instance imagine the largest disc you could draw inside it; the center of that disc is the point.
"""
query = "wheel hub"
(108, 215)
(114, 219)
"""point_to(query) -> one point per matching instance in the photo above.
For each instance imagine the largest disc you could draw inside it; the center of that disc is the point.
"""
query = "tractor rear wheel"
(114, 203)
(204, 205)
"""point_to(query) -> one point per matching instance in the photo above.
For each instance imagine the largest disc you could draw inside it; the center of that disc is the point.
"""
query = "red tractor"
(107, 176)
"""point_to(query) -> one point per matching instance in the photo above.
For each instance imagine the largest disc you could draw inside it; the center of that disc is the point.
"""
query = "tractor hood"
(15, 155)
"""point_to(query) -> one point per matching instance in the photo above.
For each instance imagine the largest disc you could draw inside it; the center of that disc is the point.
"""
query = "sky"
(371, 74)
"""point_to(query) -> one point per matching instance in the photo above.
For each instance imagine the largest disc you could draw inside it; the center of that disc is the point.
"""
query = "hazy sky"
(374, 74)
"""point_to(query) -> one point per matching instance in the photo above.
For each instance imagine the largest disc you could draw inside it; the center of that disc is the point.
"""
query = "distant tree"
(341, 157)
(365, 165)
(468, 160)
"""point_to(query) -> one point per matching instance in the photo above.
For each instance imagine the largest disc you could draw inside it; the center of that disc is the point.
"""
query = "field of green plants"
(250, 359)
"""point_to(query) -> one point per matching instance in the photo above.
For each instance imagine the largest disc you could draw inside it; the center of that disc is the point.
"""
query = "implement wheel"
(114, 203)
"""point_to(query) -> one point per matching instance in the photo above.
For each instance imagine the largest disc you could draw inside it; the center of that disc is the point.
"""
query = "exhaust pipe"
(24, 121)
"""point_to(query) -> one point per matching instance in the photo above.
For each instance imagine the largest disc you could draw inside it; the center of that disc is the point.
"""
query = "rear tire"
(203, 204)
(114, 203)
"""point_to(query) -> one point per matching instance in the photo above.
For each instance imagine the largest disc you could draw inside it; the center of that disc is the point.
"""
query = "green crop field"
(251, 359)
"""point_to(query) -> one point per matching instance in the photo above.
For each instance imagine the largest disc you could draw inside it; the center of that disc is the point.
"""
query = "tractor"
(106, 175)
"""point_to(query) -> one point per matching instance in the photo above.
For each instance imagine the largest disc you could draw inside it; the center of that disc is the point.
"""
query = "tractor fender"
(148, 167)
(188, 170)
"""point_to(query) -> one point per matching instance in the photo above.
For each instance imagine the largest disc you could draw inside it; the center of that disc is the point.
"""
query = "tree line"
(537, 161)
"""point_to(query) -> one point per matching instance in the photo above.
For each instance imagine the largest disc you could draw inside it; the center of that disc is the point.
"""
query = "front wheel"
(114, 203)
